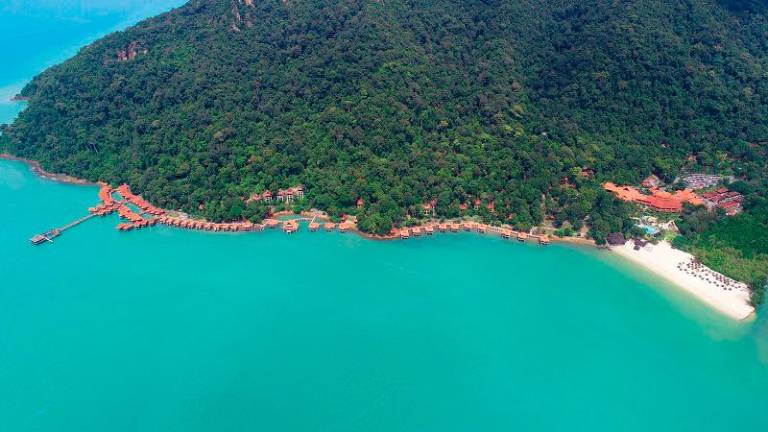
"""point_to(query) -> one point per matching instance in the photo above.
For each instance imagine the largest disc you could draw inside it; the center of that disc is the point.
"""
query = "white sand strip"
(666, 261)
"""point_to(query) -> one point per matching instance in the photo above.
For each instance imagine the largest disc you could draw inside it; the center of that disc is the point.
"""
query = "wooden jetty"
(49, 235)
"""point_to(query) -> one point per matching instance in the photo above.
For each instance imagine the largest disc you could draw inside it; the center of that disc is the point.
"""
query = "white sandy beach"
(666, 261)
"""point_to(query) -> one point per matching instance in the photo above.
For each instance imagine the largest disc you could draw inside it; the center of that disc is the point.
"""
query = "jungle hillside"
(511, 111)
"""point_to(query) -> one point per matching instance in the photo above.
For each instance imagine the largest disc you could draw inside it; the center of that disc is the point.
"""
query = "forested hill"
(400, 102)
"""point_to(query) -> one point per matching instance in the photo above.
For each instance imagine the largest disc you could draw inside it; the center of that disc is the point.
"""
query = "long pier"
(49, 235)
(76, 222)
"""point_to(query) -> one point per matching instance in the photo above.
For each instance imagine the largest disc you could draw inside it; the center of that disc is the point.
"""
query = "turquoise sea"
(170, 330)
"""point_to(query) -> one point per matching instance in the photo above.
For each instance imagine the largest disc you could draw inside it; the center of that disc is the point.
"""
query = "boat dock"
(49, 235)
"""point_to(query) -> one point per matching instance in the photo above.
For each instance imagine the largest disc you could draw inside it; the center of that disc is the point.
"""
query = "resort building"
(428, 209)
(616, 239)
(288, 195)
(730, 201)
(658, 199)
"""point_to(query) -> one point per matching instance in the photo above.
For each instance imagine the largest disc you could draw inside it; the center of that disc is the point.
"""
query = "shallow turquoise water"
(170, 330)
(165, 329)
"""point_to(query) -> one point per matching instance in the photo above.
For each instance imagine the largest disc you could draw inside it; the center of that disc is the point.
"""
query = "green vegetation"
(403, 103)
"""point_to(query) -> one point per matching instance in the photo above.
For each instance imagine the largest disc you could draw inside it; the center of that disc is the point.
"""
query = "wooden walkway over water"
(49, 235)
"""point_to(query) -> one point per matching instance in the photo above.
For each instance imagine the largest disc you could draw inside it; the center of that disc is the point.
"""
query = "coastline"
(700, 282)
(662, 260)
(40, 172)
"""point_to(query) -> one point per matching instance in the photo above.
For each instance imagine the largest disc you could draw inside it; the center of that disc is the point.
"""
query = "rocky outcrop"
(131, 51)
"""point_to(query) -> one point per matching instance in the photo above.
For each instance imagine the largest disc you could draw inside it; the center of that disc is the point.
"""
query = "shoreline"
(662, 261)
(724, 295)
(40, 172)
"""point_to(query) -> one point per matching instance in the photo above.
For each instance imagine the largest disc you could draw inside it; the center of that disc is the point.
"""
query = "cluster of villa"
(282, 195)
(125, 191)
(139, 214)
(730, 201)
(431, 228)
(136, 220)
(108, 203)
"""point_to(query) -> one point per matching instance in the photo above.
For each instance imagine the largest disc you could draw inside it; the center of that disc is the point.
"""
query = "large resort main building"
(673, 202)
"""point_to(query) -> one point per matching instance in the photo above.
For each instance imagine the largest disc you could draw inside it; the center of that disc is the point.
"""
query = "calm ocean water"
(170, 330)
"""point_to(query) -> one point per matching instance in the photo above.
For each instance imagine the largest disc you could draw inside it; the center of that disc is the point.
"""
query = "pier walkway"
(49, 235)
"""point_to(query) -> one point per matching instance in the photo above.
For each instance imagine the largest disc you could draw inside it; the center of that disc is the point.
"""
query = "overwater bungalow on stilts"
(329, 226)
(314, 226)
(429, 230)
(405, 233)
(290, 226)
(521, 236)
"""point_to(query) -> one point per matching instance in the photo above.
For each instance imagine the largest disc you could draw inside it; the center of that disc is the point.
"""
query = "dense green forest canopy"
(406, 102)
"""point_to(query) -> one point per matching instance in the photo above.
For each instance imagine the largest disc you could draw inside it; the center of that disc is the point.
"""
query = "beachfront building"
(616, 239)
